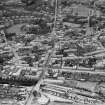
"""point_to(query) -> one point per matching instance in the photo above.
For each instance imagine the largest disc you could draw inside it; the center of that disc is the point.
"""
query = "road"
(37, 86)
(46, 61)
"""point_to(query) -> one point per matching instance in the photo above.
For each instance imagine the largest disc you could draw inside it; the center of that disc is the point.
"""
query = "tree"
(31, 2)
(28, 2)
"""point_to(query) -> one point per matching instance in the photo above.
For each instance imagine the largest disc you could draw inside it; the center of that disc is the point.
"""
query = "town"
(52, 52)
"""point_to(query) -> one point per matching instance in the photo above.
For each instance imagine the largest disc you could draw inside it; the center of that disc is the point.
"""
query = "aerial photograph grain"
(52, 52)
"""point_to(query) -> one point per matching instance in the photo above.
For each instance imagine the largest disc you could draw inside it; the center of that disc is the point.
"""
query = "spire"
(89, 27)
